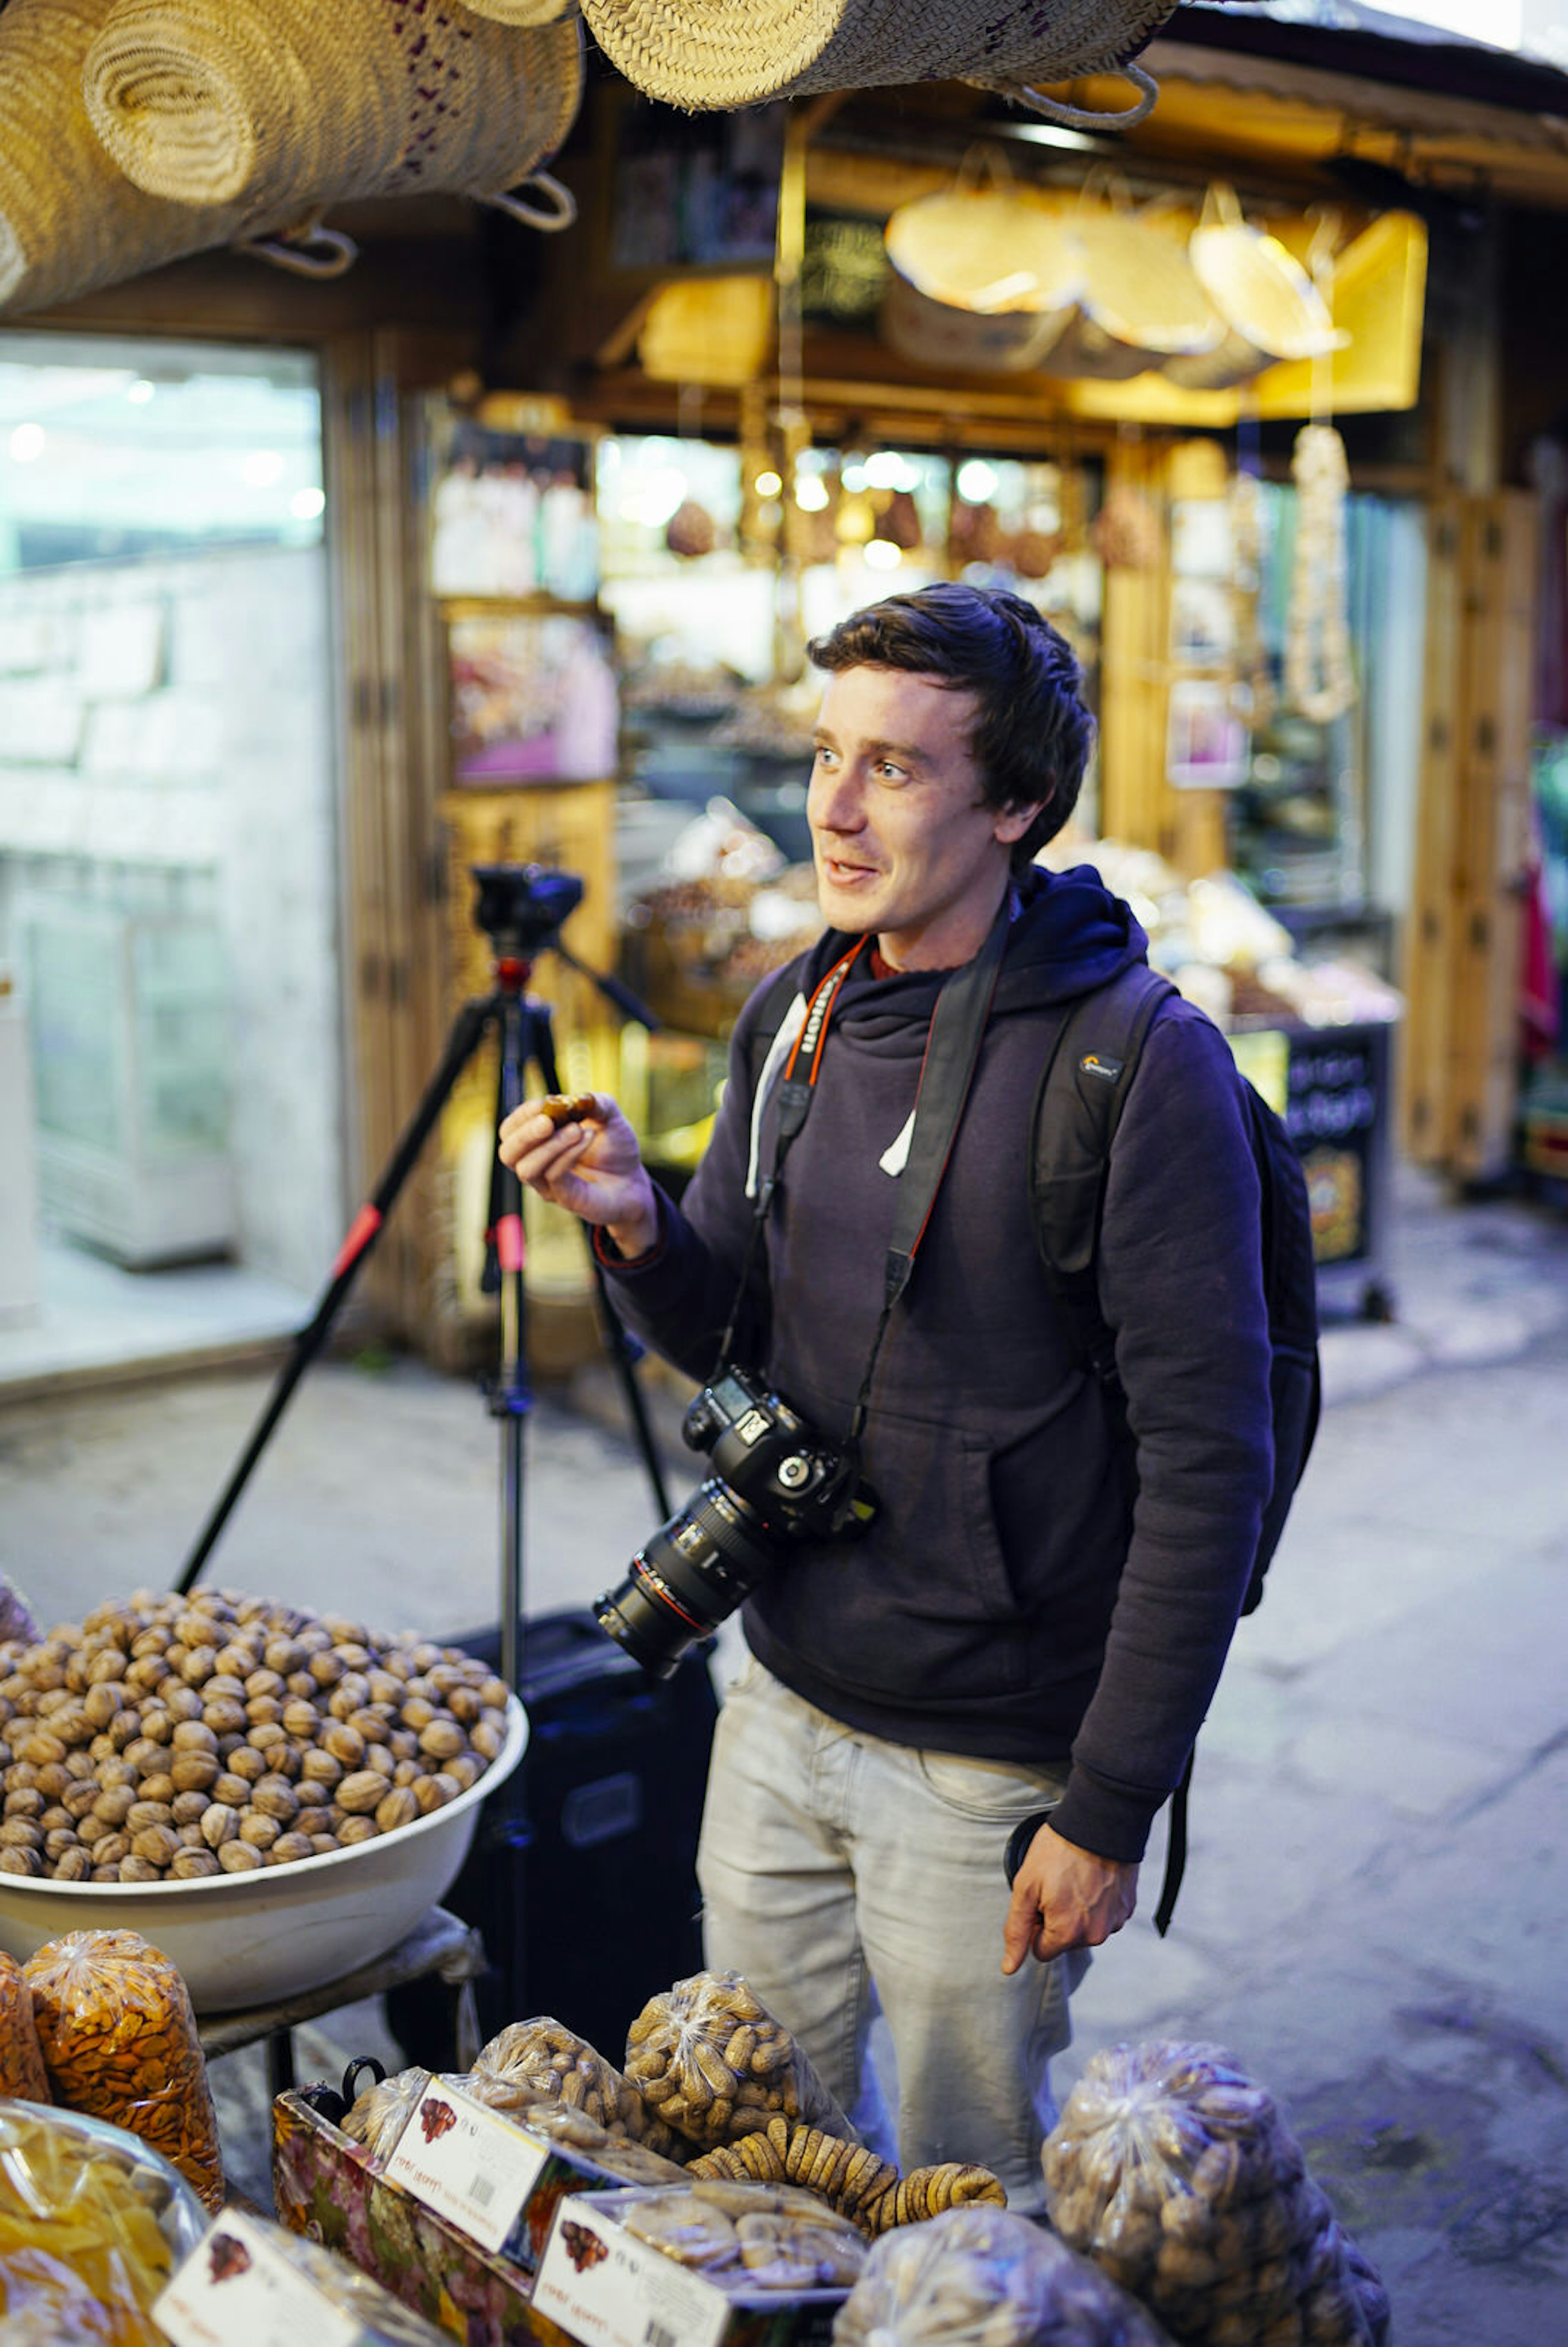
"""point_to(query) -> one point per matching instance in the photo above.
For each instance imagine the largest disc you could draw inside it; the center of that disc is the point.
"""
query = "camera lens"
(689, 1577)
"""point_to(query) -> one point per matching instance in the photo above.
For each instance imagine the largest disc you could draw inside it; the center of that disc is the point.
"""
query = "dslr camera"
(774, 1481)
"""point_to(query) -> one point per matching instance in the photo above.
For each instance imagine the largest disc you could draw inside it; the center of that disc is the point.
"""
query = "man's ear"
(1011, 822)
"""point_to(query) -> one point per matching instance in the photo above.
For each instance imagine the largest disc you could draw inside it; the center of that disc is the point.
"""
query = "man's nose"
(835, 802)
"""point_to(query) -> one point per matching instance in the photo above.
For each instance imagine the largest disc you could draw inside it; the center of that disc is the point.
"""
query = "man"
(1037, 1617)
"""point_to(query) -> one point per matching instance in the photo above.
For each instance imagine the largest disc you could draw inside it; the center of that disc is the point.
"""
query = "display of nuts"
(170, 1739)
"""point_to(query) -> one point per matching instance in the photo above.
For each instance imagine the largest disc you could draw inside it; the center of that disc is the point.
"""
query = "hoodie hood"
(1069, 935)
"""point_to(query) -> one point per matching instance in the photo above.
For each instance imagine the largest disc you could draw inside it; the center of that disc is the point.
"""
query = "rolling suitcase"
(582, 1875)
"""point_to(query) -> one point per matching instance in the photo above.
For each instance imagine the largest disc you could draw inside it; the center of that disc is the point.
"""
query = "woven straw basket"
(68, 222)
(726, 53)
(275, 102)
(1143, 304)
(983, 276)
(1271, 308)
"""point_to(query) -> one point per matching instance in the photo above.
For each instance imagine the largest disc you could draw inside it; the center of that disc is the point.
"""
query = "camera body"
(767, 1455)
(774, 1481)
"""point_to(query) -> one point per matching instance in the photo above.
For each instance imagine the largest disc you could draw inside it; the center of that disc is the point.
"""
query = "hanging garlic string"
(1318, 679)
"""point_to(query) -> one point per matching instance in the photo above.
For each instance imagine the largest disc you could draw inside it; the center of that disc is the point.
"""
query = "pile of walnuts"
(173, 1737)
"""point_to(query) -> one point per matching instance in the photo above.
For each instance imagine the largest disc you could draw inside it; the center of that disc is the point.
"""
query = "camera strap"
(946, 1074)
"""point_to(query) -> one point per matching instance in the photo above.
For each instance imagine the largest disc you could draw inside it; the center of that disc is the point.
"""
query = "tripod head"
(522, 907)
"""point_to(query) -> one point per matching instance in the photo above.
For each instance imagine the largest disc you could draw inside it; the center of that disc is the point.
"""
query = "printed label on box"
(237, 2288)
(609, 2290)
(466, 2164)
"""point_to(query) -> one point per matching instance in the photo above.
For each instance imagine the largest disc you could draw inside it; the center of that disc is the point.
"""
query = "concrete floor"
(1373, 1900)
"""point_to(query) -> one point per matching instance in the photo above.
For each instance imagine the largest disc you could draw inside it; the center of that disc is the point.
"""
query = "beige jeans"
(842, 1875)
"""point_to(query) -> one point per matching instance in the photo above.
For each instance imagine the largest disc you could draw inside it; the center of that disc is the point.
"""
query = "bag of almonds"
(714, 2064)
(22, 2071)
(982, 2277)
(119, 2043)
(559, 2067)
(1179, 2176)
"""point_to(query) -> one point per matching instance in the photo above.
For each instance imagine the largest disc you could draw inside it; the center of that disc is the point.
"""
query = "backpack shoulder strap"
(767, 1044)
(1088, 1075)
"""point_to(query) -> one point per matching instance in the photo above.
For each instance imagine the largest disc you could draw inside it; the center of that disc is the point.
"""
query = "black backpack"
(1077, 1108)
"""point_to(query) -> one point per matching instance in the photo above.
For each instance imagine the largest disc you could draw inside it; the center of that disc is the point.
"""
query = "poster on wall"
(512, 515)
(695, 192)
(533, 701)
(1206, 743)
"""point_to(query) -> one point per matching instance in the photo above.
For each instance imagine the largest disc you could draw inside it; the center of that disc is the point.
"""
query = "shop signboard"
(1335, 1112)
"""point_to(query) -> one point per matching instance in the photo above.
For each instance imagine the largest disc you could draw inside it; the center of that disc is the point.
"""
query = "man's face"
(903, 842)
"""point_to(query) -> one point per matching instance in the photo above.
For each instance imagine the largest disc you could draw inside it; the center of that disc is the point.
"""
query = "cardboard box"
(605, 2288)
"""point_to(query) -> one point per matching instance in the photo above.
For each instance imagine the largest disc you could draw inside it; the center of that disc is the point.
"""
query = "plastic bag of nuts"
(186, 1736)
(714, 2064)
(1181, 2178)
(557, 2065)
(119, 2042)
(981, 2277)
(22, 2071)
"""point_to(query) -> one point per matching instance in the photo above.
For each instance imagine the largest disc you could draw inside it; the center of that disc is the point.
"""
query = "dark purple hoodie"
(1026, 1593)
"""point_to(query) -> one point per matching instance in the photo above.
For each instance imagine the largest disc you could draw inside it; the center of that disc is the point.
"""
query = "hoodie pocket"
(921, 1611)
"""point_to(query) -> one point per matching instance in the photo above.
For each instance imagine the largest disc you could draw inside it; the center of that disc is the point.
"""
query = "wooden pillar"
(391, 959)
(1462, 966)
(1135, 800)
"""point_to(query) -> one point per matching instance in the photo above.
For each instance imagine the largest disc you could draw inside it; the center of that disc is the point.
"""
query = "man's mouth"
(837, 869)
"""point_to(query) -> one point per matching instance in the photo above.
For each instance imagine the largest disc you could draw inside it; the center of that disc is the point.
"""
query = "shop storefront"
(771, 373)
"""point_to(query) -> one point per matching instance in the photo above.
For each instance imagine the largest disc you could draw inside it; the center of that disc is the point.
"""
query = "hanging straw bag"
(1143, 304)
(269, 103)
(727, 53)
(985, 275)
(1270, 306)
(68, 219)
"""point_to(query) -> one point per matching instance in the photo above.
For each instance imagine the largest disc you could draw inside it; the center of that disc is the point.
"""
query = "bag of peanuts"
(981, 2277)
(22, 2071)
(119, 2042)
(714, 2064)
(382, 2112)
(1179, 2176)
(560, 2066)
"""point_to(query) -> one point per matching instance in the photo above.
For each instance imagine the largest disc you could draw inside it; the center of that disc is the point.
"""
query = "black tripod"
(521, 908)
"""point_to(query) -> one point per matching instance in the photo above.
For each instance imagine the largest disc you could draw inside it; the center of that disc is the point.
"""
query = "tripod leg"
(511, 1396)
(617, 1341)
(362, 1233)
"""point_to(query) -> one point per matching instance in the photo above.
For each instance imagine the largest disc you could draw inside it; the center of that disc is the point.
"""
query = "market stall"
(695, 2185)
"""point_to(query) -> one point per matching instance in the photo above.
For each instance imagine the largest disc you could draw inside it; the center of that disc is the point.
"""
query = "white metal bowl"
(244, 1940)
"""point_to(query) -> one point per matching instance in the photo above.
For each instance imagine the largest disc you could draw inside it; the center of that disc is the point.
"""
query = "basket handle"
(1081, 117)
(1222, 207)
(308, 251)
(561, 204)
(983, 165)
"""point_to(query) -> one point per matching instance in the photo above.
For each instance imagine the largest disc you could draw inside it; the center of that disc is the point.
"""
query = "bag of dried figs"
(560, 2066)
(119, 2040)
(714, 2064)
(1178, 2176)
(983, 2277)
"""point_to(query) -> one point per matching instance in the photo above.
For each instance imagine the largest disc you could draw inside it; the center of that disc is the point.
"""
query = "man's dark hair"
(1031, 734)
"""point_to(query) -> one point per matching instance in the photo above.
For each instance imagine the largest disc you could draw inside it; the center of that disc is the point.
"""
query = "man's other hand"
(592, 1166)
(1064, 1897)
